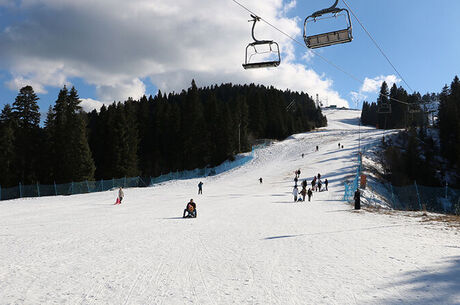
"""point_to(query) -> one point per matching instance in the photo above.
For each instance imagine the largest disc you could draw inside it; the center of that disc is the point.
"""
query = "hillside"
(249, 245)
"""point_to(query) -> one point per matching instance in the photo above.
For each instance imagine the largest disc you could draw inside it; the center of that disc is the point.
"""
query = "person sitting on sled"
(190, 210)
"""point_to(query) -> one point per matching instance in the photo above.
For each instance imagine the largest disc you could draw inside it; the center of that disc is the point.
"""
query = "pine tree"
(27, 135)
(7, 153)
(383, 100)
(66, 129)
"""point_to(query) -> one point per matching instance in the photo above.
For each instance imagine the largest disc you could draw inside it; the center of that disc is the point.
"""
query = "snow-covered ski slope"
(249, 245)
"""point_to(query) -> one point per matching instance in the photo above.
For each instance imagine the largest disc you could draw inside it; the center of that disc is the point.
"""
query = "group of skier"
(316, 185)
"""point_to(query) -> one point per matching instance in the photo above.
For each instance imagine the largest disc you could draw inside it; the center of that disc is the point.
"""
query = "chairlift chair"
(330, 38)
(272, 47)
(384, 108)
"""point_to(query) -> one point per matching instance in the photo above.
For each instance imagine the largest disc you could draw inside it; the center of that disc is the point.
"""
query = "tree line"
(426, 153)
(407, 110)
(196, 128)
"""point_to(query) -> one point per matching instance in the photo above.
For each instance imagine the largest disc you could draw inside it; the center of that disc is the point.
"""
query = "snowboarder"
(304, 193)
(120, 196)
(357, 200)
(190, 210)
(295, 192)
(200, 188)
(260, 180)
(326, 183)
(309, 193)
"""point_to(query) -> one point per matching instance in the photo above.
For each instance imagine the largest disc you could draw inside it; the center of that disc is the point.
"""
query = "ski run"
(250, 244)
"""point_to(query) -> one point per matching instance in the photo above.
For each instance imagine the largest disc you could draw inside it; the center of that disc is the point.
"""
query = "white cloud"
(134, 88)
(113, 44)
(372, 85)
(89, 104)
(289, 6)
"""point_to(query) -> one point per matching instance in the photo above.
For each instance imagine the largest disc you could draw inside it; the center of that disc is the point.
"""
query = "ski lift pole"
(446, 190)
(418, 195)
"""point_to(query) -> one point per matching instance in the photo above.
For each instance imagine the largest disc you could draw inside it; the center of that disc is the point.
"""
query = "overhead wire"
(301, 44)
(324, 58)
(377, 45)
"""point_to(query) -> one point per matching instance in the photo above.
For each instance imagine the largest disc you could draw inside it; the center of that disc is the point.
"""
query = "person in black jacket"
(190, 210)
(357, 200)
(309, 193)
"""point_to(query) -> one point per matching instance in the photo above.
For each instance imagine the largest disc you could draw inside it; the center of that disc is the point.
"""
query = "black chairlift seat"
(330, 38)
(263, 64)
(273, 48)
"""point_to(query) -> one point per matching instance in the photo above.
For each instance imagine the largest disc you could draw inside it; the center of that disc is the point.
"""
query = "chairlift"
(384, 108)
(330, 38)
(273, 49)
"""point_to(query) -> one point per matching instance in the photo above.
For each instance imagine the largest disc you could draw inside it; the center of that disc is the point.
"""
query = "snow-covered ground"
(249, 245)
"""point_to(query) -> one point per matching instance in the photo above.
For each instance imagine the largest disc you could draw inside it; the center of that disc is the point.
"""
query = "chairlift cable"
(302, 44)
(377, 45)
(324, 58)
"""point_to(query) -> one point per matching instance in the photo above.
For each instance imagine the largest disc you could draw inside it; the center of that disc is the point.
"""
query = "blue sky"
(136, 47)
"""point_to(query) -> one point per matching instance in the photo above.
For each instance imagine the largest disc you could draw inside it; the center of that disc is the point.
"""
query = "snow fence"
(411, 197)
(73, 188)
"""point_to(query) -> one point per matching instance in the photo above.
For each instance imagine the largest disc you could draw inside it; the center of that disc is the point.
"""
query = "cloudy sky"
(114, 49)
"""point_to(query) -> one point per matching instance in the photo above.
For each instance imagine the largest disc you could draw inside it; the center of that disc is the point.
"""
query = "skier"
(295, 192)
(304, 193)
(298, 172)
(342, 146)
(310, 193)
(357, 200)
(260, 180)
(319, 185)
(317, 147)
(319, 176)
(190, 210)
(295, 181)
(339, 145)
(304, 183)
(313, 183)
(326, 183)
(303, 155)
(120, 196)
(200, 188)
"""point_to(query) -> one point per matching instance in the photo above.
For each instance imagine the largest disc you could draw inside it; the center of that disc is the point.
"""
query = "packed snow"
(250, 244)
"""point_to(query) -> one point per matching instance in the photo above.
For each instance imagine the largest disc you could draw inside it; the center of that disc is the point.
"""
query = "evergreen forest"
(196, 128)
(428, 151)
